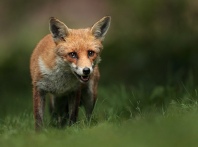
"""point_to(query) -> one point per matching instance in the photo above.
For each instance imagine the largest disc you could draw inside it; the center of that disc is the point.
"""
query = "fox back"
(65, 61)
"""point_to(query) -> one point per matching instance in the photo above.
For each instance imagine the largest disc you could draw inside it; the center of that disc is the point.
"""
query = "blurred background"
(149, 43)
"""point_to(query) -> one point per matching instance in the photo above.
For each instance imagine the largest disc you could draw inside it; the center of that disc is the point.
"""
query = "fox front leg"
(88, 101)
(74, 103)
(89, 104)
(39, 105)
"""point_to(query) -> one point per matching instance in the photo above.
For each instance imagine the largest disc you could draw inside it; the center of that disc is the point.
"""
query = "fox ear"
(58, 29)
(100, 28)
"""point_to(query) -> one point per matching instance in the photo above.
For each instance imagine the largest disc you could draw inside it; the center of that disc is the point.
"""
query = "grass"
(139, 116)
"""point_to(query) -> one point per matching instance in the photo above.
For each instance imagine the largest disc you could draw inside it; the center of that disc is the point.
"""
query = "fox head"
(79, 48)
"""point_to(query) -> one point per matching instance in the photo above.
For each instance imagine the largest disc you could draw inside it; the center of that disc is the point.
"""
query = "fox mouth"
(83, 79)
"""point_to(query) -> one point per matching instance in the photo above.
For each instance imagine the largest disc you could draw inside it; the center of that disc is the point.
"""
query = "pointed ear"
(100, 28)
(58, 29)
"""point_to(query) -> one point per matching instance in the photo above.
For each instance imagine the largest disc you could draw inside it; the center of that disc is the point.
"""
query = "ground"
(136, 116)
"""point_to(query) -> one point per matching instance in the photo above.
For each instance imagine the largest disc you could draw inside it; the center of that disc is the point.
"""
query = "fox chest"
(58, 80)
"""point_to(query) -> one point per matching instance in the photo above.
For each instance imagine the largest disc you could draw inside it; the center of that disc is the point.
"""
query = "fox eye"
(91, 53)
(73, 55)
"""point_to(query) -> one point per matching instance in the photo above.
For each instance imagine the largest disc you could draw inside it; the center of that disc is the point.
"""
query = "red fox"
(65, 64)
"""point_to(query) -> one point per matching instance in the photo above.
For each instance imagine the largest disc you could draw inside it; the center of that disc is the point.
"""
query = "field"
(148, 93)
(123, 116)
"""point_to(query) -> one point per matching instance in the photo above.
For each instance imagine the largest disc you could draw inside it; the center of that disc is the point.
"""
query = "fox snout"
(82, 73)
(86, 71)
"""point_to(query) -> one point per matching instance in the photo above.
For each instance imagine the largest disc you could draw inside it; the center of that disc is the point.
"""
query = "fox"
(64, 65)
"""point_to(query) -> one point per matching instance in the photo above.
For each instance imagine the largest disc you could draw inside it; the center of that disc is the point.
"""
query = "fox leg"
(88, 102)
(53, 111)
(39, 104)
(89, 98)
(74, 102)
(59, 110)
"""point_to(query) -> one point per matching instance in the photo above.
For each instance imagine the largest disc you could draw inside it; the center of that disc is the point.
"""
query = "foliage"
(148, 88)
(123, 116)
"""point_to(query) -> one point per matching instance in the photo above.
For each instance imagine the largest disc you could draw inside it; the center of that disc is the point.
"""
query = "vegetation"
(148, 93)
(122, 117)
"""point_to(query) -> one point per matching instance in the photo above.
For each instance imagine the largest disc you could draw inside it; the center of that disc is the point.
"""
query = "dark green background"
(150, 42)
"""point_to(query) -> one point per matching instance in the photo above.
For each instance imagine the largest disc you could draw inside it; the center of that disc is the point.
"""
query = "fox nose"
(86, 70)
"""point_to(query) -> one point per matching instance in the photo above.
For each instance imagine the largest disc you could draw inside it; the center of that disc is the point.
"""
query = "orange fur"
(64, 64)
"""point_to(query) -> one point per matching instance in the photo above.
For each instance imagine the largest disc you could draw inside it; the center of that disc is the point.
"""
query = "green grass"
(158, 116)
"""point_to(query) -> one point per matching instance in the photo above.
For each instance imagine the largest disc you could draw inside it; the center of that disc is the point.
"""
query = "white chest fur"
(58, 80)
